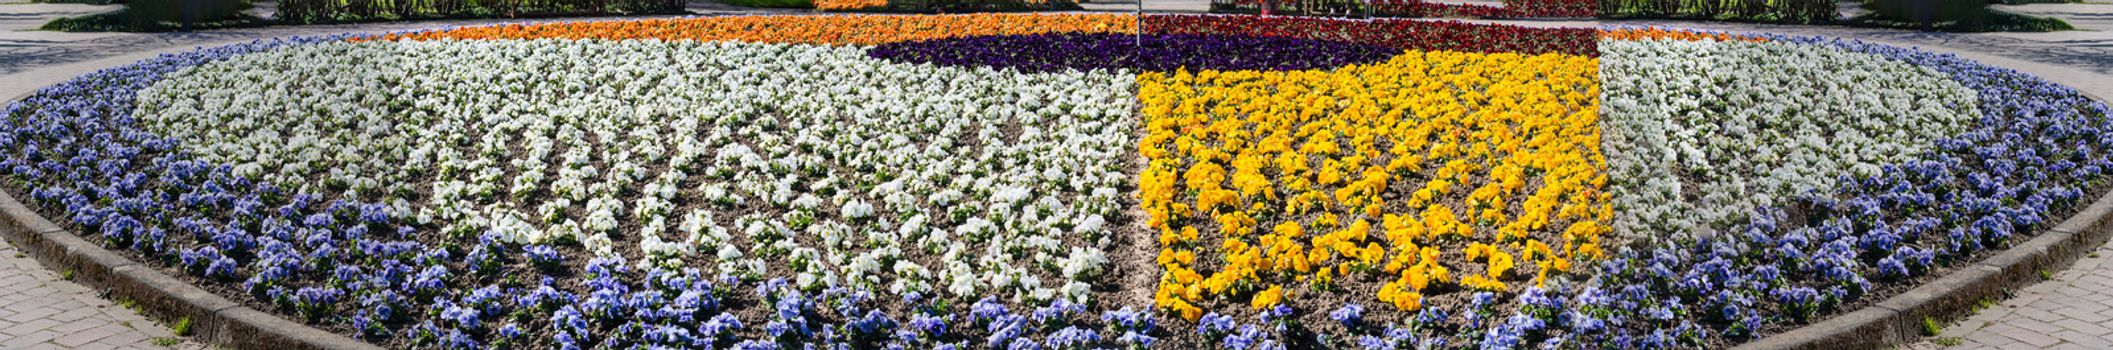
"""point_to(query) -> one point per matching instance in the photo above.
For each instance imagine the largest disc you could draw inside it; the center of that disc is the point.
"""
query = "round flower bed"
(1055, 181)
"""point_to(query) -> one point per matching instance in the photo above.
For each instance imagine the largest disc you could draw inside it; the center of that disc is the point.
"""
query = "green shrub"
(1779, 11)
(159, 15)
(1954, 15)
(90, 2)
(1928, 10)
(148, 13)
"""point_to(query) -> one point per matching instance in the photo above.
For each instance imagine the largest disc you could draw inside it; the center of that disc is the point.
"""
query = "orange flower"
(836, 5)
(1673, 34)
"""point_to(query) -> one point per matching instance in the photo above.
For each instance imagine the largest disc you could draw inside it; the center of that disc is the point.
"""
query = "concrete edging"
(1898, 320)
(214, 319)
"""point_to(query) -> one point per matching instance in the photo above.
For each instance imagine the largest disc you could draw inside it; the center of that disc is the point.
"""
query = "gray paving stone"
(2083, 327)
(74, 314)
(2038, 314)
(2038, 326)
(26, 341)
(2029, 337)
(2093, 341)
(30, 326)
(77, 339)
(124, 339)
(80, 325)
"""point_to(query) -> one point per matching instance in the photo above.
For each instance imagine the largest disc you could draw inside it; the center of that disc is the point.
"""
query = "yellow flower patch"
(1400, 174)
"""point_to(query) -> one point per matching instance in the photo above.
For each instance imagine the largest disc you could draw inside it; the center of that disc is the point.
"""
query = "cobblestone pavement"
(39, 310)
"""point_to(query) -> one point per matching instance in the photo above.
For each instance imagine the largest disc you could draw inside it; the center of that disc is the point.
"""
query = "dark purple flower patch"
(1085, 52)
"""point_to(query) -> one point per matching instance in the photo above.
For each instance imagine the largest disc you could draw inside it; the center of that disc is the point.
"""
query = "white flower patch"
(1701, 133)
(813, 163)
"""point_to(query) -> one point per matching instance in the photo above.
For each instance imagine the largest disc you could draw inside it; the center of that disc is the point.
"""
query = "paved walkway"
(39, 310)
(2072, 311)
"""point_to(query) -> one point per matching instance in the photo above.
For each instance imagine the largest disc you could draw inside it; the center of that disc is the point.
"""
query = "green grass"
(182, 327)
(796, 4)
(66, 275)
(1930, 327)
(166, 342)
(1947, 341)
(128, 304)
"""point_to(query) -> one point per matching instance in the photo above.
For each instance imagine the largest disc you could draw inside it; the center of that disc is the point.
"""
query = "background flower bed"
(945, 5)
(862, 30)
(1074, 51)
(1511, 9)
(1400, 33)
(1414, 8)
(317, 11)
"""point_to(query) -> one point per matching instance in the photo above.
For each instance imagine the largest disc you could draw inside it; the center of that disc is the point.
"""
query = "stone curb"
(1898, 320)
(214, 319)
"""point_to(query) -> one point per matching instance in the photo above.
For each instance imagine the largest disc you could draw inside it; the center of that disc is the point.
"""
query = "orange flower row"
(840, 5)
(1672, 34)
(822, 29)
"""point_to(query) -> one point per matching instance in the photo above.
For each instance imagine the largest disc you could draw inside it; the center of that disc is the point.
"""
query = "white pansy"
(727, 155)
(1699, 134)
(857, 210)
(1083, 263)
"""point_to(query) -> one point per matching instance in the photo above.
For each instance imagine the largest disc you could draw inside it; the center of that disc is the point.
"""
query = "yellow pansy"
(1389, 164)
